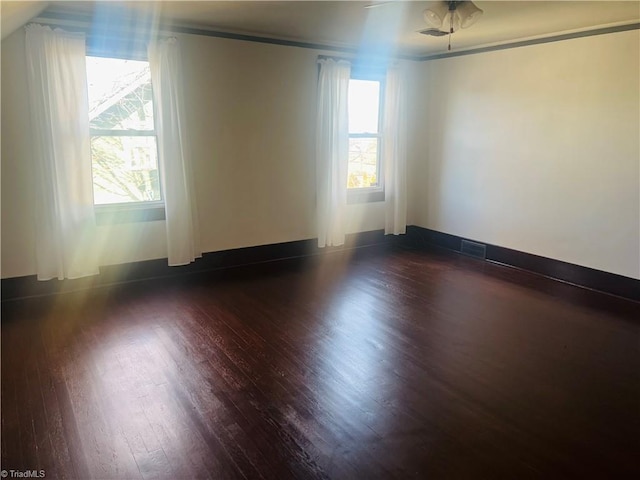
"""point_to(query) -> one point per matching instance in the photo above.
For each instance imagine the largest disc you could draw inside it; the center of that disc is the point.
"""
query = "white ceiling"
(388, 26)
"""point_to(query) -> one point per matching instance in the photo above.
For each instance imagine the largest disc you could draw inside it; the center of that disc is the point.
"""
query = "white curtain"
(394, 157)
(183, 238)
(64, 215)
(332, 150)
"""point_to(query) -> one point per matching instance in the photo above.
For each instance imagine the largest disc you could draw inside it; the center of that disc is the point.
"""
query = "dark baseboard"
(610, 283)
(29, 286)
(303, 250)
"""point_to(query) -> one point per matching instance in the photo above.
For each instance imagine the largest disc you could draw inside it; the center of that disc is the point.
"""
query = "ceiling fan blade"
(433, 32)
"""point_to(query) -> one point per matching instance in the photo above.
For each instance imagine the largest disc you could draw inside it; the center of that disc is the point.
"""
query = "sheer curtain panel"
(332, 150)
(394, 157)
(183, 241)
(65, 220)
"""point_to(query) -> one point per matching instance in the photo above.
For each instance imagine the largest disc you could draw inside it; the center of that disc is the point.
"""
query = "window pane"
(125, 169)
(364, 99)
(119, 94)
(363, 163)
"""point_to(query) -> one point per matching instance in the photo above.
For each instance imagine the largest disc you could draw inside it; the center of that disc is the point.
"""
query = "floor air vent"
(473, 249)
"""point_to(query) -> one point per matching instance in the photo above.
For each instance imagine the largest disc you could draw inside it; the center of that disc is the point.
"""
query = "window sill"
(364, 195)
(122, 213)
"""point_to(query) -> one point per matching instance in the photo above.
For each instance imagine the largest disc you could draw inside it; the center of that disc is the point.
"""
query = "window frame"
(127, 212)
(371, 194)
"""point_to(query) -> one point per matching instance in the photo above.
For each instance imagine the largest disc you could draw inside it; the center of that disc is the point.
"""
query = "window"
(365, 175)
(124, 152)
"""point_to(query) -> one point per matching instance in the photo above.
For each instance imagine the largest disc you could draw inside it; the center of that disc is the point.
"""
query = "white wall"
(535, 149)
(251, 114)
(17, 206)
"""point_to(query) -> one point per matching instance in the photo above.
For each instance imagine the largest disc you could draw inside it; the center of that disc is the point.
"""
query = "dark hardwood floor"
(395, 364)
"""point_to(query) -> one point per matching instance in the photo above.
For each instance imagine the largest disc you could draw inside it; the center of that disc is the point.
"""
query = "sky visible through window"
(364, 98)
(106, 75)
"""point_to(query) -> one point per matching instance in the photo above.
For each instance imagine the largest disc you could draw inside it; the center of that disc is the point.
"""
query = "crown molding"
(534, 41)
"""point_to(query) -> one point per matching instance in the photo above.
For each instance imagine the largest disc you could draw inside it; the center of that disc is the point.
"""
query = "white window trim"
(371, 194)
(127, 212)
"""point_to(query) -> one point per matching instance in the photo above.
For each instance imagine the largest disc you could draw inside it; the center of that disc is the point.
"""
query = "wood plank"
(396, 364)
